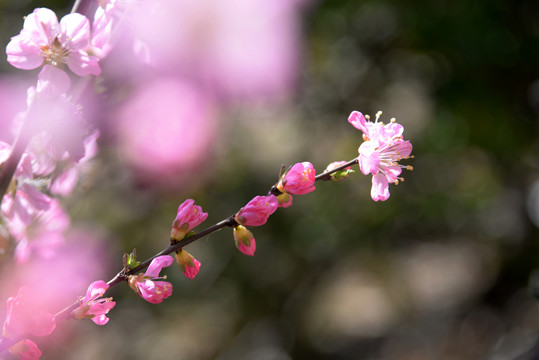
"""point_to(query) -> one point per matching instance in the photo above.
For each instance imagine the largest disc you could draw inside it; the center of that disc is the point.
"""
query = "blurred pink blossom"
(144, 285)
(257, 211)
(239, 49)
(165, 129)
(188, 217)
(298, 180)
(24, 317)
(189, 265)
(36, 221)
(25, 350)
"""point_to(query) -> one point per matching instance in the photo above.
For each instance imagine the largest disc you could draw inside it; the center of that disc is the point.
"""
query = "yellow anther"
(409, 167)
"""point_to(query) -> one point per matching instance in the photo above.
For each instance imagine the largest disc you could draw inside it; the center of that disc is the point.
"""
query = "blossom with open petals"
(298, 180)
(93, 306)
(44, 40)
(145, 285)
(22, 317)
(189, 265)
(381, 152)
(188, 217)
(257, 211)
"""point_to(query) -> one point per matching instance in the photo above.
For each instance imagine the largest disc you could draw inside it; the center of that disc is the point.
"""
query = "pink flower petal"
(157, 264)
(83, 64)
(358, 121)
(23, 53)
(75, 31)
(380, 187)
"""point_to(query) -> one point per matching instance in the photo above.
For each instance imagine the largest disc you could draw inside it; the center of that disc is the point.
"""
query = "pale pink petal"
(380, 187)
(393, 130)
(41, 26)
(369, 159)
(23, 53)
(75, 31)
(52, 82)
(83, 64)
(358, 121)
(101, 33)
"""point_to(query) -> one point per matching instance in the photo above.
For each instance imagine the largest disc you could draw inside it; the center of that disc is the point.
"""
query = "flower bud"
(298, 180)
(245, 242)
(340, 174)
(257, 211)
(189, 265)
(189, 216)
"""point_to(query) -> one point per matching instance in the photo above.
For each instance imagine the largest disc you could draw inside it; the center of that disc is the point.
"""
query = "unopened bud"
(245, 241)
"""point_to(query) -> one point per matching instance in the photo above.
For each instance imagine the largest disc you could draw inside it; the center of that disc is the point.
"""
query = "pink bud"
(189, 216)
(189, 265)
(257, 211)
(298, 180)
(26, 350)
(245, 241)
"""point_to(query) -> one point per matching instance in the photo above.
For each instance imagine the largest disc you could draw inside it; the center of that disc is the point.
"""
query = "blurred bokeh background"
(445, 269)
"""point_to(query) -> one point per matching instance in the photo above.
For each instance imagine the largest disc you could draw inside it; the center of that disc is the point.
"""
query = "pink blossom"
(36, 221)
(245, 241)
(45, 41)
(94, 307)
(380, 154)
(188, 217)
(144, 285)
(257, 211)
(298, 180)
(375, 131)
(189, 265)
(285, 200)
(26, 350)
(23, 318)
(165, 130)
